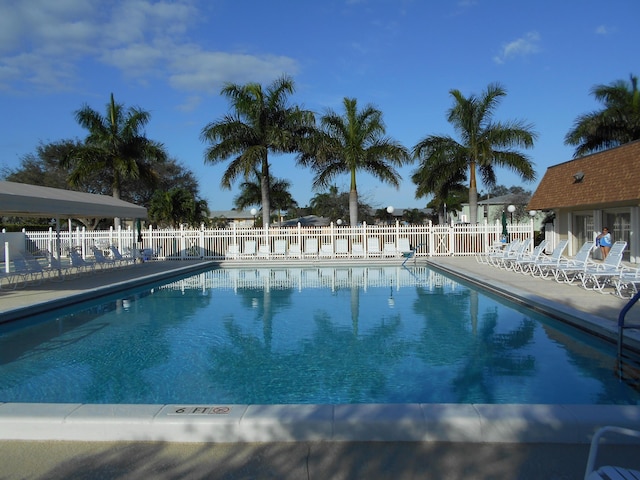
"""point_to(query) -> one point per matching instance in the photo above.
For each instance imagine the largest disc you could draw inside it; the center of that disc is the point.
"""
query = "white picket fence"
(205, 243)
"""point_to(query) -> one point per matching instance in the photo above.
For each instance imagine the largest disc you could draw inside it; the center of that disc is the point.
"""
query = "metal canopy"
(21, 199)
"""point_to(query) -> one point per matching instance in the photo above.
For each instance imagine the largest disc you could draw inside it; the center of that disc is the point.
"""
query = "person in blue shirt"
(604, 240)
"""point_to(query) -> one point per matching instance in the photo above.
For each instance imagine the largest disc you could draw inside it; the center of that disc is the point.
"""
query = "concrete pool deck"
(311, 441)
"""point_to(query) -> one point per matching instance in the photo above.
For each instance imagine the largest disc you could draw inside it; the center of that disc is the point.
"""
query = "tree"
(484, 145)
(177, 206)
(351, 142)
(617, 123)
(115, 148)
(261, 123)
(279, 196)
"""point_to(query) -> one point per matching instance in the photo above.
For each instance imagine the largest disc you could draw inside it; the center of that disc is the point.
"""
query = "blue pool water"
(306, 335)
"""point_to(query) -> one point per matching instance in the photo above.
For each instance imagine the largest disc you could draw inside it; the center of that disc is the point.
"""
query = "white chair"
(342, 247)
(569, 270)
(357, 250)
(311, 247)
(609, 472)
(280, 248)
(249, 249)
(389, 249)
(233, 252)
(326, 250)
(294, 250)
(264, 251)
(373, 247)
(545, 264)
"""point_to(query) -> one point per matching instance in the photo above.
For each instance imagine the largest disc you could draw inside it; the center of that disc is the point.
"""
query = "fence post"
(183, 245)
(201, 238)
(430, 237)
(397, 232)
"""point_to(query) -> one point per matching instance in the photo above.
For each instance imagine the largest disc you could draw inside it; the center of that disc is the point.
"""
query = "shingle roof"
(608, 178)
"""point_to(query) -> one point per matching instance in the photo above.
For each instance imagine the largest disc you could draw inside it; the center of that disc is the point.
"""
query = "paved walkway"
(311, 460)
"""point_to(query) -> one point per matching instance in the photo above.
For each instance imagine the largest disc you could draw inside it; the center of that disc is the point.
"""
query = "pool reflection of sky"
(257, 336)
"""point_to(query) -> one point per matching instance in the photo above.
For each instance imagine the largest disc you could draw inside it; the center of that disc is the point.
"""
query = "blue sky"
(403, 56)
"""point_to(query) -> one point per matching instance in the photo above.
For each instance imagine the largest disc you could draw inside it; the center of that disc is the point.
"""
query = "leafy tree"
(261, 123)
(177, 206)
(352, 142)
(115, 147)
(617, 123)
(279, 196)
(484, 145)
(414, 216)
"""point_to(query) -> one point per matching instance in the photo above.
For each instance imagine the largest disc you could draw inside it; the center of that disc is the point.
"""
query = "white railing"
(185, 244)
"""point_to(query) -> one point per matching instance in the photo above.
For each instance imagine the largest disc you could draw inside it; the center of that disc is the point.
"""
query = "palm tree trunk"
(353, 207)
(264, 186)
(473, 194)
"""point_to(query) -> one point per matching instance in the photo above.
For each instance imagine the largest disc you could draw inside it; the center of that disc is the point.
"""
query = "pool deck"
(313, 441)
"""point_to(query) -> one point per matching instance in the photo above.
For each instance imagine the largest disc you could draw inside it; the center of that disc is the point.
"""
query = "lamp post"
(511, 209)
(390, 210)
(339, 221)
(254, 212)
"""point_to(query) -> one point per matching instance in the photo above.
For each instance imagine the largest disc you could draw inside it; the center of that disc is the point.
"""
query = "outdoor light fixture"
(511, 209)
(578, 177)
(253, 212)
(533, 213)
(339, 221)
(390, 210)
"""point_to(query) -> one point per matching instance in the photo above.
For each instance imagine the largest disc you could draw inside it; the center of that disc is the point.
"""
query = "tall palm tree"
(484, 145)
(616, 124)
(261, 123)
(351, 142)
(116, 146)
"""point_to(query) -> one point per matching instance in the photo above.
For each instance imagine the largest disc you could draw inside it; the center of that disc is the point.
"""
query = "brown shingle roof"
(610, 177)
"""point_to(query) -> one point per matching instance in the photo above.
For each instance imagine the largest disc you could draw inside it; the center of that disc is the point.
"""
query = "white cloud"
(43, 43)
(522, 47)
(604, 30)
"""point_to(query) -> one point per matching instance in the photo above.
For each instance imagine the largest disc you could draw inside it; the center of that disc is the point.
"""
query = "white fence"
(203, 243)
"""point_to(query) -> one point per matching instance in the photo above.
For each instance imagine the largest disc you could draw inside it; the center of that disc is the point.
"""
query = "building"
(591, 192)
(490, 210)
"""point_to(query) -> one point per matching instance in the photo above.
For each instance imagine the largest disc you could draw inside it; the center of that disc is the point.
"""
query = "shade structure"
(22, 200)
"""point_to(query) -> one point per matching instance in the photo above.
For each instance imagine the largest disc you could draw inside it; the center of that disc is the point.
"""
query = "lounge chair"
(80, 264)
(326, 250)
(389, 250)
(311, 247)
(280, 248)
(609, 472)
(546, 264)
(342, 247)
(404, 247)
(373, 247)
(357, 250)
(514, 255)
(599, 275)
(102, 261)
(264, 251)
(294, 250)
(233, 252)
(571, 269)
(249, 249)
(496, 258)
(626, 280)
(30, 273)
(122, 259)
(524, 264)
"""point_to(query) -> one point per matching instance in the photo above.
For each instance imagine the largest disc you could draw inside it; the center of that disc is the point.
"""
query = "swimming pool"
(306, 335)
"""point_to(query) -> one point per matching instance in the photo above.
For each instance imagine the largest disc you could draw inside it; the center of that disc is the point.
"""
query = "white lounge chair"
(311, 248)
(523, 264)
(80, 264)
(609, 472)
(571, 269)
(101, 260)
(496, 257)
(280, 248)
(264, 251)
(404, 247)
(627, 279)
(514, 255)
(357, 250)
(294, 250)
(373, 247)
(326, 250)
(249, 249)
(233, 252)
(545, 264)
(389, 250)
(599, 275)
(342, 247)
(122, 259)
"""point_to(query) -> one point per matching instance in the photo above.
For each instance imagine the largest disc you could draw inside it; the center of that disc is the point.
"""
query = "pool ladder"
(628, 369)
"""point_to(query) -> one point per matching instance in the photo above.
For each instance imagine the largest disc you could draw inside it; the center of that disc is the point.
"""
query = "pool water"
(306, 335)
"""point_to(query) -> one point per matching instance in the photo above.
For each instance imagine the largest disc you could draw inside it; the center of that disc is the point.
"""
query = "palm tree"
(484, 145)
(616, 124)
(279, 196)
(262, 122)
(176, 206)
(352, 142)
(116, 147)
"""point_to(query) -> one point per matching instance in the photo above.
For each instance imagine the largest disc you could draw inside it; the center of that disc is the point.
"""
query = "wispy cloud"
(604, 30)
(46, 44)
(522, 47)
